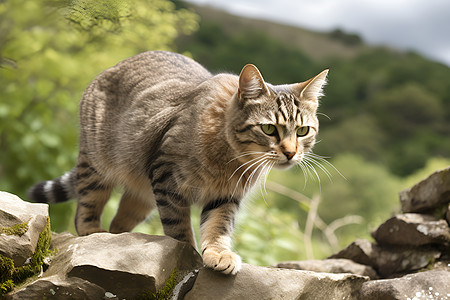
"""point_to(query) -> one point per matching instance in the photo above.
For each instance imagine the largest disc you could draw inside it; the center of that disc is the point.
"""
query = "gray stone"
(413, 230)
(126, 265)
(360, 251)
(428, 194)
(389, 261)
(258, 283)
(447, 215)
(395, 261)
(57, 287)
(424, 285)
(15, 211)
(332, 265)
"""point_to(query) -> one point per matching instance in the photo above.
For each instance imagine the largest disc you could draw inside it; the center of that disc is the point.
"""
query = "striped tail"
(54, 191)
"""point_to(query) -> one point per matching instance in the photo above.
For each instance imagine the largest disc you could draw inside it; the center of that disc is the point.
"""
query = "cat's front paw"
(220, 260)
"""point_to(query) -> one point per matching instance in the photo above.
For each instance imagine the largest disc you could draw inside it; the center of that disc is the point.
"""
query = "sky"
(418, 25)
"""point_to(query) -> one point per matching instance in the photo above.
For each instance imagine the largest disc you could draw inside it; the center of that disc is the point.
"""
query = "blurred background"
(385, 120)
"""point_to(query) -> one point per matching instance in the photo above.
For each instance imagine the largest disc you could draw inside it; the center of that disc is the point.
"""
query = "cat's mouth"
(285, 164)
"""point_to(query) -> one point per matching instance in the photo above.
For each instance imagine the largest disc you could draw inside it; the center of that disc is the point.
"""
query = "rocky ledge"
(409, 260)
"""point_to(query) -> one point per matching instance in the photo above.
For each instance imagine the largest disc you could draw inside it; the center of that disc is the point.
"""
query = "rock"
(332, 265)
(447, 215)
(127, 265)
(394, 261)
(258, 283)
(428, 194)
(389, 261)
(58, 287)
(20, 226)
(360, 251)
(413, 230)
(424, 285)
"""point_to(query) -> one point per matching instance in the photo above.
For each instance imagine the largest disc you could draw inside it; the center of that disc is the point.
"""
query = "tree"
(49, 52)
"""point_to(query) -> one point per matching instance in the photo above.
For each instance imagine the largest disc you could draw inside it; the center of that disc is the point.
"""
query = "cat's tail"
(54, 191)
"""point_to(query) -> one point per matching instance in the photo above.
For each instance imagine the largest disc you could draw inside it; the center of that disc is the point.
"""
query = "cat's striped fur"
(172, 135)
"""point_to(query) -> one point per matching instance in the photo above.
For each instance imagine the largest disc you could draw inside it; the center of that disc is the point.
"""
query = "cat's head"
(274, 125)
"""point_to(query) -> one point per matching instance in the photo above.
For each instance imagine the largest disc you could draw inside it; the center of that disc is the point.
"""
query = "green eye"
(269, 129)
(303, 131)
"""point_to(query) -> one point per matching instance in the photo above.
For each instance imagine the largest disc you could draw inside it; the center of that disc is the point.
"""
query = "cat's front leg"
(216, 226)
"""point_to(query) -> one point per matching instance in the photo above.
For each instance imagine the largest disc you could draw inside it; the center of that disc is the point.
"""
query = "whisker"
(311, 167)
(305, 175)
(323, 160)
(258, 160)
(325, 115)
(246, 154)
(244, 164)
(318, 164)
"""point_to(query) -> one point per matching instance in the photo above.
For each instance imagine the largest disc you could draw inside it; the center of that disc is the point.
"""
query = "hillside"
(388, 106)
(317, 45)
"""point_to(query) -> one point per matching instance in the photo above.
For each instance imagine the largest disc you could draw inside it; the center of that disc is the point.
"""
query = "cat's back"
(153, 74)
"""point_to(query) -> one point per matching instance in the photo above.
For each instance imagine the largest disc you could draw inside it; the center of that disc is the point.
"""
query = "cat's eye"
(269, 129)
(303, 131)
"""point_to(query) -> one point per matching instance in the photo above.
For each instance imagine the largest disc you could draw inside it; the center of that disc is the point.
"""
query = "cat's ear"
(312, 89)
(251, 83)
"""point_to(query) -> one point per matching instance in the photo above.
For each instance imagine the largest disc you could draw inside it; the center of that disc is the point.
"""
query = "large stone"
(258, 283)
(428, 194)
(20, 225)
(389, 261)
(127, 265)
(332, 265)
(394, 261)
(413, 230)
(424, 285)
(58, 287)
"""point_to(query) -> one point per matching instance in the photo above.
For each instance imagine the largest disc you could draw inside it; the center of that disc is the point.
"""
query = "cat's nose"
(289, 155)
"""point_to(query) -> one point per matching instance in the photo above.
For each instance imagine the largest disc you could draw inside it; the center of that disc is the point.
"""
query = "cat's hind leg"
(133, 209)
(92, 193)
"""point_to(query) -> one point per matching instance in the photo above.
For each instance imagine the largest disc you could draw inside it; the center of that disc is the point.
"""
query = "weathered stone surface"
(428, 194)
(447, 215)
(16, 212)
(270, 283)
(413, 230)
(126, 265)
(57, 287)
(332, 265)
(360, 251)
(389, 261)
(424, 285)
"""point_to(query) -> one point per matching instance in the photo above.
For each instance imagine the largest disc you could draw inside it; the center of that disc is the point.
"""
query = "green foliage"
(221, 50)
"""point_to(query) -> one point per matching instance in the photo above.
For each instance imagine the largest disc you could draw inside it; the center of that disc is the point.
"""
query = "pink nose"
(289, 155)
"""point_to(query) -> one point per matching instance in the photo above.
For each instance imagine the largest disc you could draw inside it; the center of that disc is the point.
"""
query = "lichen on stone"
(10, 275)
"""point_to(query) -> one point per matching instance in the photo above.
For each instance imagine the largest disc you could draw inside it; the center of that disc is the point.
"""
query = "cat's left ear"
(251, 83)
(312, 89)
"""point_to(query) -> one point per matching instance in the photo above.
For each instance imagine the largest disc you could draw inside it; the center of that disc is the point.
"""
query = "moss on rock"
(18, 229)
(166, 291)
(11, 275)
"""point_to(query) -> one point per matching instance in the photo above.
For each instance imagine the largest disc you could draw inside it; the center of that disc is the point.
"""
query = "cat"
(172, 134)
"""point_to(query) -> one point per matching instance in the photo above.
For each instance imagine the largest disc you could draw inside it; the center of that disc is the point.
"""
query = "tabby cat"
(172, 134)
